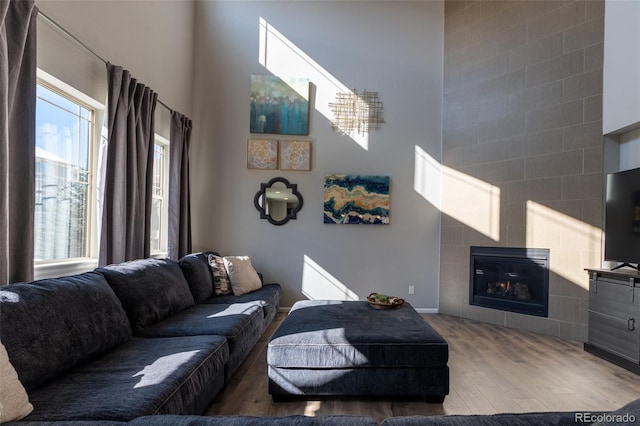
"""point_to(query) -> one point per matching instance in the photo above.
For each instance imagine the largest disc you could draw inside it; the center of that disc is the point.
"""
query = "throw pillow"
(14, 401)
(244, 279)
(221, 284)
(195, 267)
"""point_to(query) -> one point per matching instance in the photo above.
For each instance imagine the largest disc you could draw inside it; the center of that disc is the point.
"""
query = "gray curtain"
(126, 216)
(17, 138)
(179, 195)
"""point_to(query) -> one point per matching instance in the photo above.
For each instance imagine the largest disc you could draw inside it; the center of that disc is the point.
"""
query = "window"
(159, 205)
(69, 140)
(64, 175)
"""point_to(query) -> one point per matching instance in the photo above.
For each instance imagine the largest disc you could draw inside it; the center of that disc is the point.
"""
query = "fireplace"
(510, 279)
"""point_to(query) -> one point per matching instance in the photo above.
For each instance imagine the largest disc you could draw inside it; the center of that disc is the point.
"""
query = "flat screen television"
(622, 217)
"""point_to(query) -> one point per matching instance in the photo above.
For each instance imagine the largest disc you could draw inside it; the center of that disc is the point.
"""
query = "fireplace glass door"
(510, 279)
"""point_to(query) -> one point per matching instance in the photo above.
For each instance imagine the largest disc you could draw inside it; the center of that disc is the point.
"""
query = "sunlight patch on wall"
(427, 177)
(318, 284)
(574, 245)
(468, 200)
(284, 59)
(471, 201)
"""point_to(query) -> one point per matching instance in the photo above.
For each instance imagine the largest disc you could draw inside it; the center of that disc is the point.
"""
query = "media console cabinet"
(614, 317)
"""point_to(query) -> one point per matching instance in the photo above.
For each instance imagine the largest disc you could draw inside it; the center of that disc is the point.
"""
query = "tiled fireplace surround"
(523, 149)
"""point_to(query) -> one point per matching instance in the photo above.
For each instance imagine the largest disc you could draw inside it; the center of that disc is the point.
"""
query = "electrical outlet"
(412, 289)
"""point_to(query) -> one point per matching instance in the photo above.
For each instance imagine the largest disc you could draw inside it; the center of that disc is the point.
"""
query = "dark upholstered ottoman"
(348, 348)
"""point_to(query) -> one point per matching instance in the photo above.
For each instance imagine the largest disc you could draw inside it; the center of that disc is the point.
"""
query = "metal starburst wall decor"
(356, 112)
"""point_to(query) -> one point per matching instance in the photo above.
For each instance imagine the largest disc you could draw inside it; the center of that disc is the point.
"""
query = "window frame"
(57, 267)
(164, 216)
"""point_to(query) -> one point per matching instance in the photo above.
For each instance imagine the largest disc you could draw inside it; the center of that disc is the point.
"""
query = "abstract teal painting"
(356, 199)
(279, 106)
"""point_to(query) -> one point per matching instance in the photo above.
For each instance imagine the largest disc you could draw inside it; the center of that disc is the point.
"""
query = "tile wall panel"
(523, 115)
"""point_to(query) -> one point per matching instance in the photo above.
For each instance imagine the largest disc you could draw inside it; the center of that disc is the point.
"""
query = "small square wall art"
(356, 199)
(262, 154)
(295, 155)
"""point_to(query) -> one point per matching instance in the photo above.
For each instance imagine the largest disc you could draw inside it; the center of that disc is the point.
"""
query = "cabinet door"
(615, 336)
(615, 298)
(614, 314)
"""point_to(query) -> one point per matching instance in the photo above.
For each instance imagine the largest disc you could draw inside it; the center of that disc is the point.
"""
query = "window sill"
(73, 267)
(63, 268)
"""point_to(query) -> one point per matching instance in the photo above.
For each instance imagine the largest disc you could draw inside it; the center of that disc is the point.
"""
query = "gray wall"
(393, 48)
(523, 122)
(153, 40)
(621, 102)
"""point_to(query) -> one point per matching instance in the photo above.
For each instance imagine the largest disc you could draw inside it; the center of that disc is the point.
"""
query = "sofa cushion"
(627, 415)
(268, 294)
(14, 401)
(68, 423)
(170, 420)
(243, 277)
(268, 297)
(52, 325)
(195, 268)
(235, 322)
(221, 283)
(141, 377)
(241, 324)
(524, 419)
(150, 289)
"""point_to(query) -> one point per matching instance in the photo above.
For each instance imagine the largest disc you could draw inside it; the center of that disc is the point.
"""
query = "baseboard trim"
(427, 310)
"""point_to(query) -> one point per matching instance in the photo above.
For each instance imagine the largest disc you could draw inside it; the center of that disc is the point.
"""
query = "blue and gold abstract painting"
(356, 199)
(279, 106)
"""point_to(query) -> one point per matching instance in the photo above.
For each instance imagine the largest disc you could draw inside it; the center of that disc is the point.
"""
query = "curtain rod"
(84, 46)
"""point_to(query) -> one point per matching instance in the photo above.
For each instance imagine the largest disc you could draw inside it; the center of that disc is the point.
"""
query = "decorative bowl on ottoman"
(382, 301)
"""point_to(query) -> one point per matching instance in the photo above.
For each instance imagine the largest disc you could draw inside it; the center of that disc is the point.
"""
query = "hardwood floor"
(493, 369)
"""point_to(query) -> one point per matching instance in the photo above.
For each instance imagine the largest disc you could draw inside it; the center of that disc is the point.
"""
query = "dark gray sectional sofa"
(140, 338)
(629, 415)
